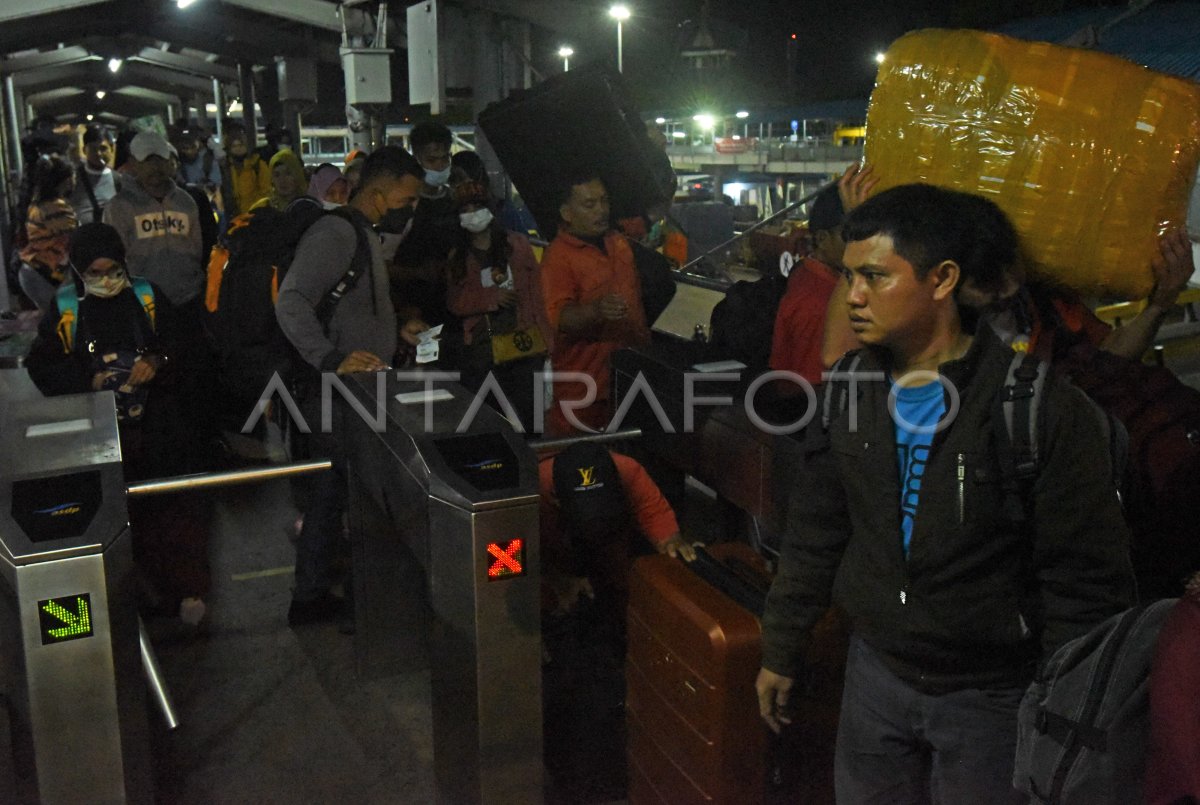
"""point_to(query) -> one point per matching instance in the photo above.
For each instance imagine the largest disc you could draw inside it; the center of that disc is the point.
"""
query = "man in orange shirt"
(800, 321)
(593, 300)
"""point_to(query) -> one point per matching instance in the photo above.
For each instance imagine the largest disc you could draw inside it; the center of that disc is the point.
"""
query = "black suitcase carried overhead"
(575, 123)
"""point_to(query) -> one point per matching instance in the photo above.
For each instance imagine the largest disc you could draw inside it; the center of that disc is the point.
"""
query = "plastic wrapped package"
(1091, 156)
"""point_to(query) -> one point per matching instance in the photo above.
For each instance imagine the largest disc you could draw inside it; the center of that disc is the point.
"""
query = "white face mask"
(105, 287)
(437, 178)
(476, 221)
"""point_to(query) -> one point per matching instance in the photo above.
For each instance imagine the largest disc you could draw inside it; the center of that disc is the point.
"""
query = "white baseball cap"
(147, 144)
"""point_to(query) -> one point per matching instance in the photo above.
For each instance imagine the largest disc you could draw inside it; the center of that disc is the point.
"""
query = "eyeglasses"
(114, 271)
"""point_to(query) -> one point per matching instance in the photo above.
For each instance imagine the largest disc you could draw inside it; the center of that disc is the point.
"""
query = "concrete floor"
(271, 714)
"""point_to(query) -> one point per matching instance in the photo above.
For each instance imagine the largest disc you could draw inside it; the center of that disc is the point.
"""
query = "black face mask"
(395, 221)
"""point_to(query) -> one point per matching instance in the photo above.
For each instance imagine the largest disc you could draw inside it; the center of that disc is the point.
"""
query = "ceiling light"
(114, 64)
(100, 94)
(660, 120)
(742, 115)
(184, 3)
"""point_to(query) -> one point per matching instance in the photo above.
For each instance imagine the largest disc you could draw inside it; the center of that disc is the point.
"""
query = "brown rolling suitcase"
(695, 735)
(694, 731)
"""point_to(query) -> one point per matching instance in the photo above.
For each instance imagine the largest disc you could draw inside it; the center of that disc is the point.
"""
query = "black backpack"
(244, 275)
(743, 322)
(656, 280)
(1084, 724)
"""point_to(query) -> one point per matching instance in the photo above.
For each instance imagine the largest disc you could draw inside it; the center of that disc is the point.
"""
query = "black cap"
(95, 240)
(591, 498)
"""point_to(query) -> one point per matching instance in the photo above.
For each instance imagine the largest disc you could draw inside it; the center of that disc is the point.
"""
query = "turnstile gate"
(444, 523)
(71, 670)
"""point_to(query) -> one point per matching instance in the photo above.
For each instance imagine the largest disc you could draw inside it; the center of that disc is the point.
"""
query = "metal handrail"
(761, 224)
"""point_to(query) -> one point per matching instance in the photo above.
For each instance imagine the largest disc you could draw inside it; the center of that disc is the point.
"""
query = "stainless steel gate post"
(68, 618)
(450, 500)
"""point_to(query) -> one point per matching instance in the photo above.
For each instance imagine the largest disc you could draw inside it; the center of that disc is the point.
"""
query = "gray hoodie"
(363, 319)
(162, 238)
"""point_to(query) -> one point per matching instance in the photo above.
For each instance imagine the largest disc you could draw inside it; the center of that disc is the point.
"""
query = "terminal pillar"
(71, 669)
(246, 82)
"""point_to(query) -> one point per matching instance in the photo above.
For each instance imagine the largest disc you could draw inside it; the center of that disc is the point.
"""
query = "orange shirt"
(800, 320)
(575, 272)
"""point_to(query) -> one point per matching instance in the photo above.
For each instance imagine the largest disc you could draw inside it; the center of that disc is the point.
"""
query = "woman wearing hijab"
(48, 227)
(329, 186)
(288, 181)
(107, 331)
(494, 287)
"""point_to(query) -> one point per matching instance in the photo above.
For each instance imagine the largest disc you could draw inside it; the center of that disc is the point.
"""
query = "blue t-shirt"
(917, 412)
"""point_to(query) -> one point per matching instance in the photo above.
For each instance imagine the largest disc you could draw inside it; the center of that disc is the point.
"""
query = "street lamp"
(620, 13)
(565, 53)
(705, 122)
(879, 57)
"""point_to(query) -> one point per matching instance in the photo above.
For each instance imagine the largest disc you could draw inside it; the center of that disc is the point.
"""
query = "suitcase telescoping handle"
(720, 575)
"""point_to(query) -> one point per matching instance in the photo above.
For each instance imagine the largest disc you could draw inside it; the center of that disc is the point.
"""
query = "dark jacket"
(160, 444)
(980, 599)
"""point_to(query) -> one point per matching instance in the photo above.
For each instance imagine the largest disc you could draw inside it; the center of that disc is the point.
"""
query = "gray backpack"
(1084, 723)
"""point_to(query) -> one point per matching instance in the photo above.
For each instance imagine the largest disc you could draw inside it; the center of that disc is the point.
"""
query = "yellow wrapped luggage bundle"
(1092, 157)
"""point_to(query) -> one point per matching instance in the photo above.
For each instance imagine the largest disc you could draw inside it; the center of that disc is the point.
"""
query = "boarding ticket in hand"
(427, 345)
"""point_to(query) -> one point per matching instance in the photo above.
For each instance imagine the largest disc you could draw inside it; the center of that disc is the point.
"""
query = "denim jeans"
(898, 745)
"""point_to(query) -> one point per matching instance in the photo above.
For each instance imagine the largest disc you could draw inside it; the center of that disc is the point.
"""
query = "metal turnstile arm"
(210, 480)
(154, 678)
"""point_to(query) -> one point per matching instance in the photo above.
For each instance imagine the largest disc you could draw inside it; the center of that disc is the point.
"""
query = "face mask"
(331, 205)
(395, 221)
(476, 221)
(105, 287)
(437, 178)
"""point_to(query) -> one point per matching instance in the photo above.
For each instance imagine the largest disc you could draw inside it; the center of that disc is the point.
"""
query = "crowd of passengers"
(955, 600)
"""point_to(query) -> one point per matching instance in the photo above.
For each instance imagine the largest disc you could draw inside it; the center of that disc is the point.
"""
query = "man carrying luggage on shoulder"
(359, 335)
(957, 591)
(593, 300)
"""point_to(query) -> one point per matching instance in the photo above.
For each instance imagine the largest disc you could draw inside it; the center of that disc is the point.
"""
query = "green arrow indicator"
(60, 623)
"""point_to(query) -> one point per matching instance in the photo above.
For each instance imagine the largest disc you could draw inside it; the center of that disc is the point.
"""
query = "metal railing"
(763, 151)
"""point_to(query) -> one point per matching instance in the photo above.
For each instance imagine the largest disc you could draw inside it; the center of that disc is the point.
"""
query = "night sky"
(836, 43)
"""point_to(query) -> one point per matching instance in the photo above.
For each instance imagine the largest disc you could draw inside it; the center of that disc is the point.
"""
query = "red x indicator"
(509, 559)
